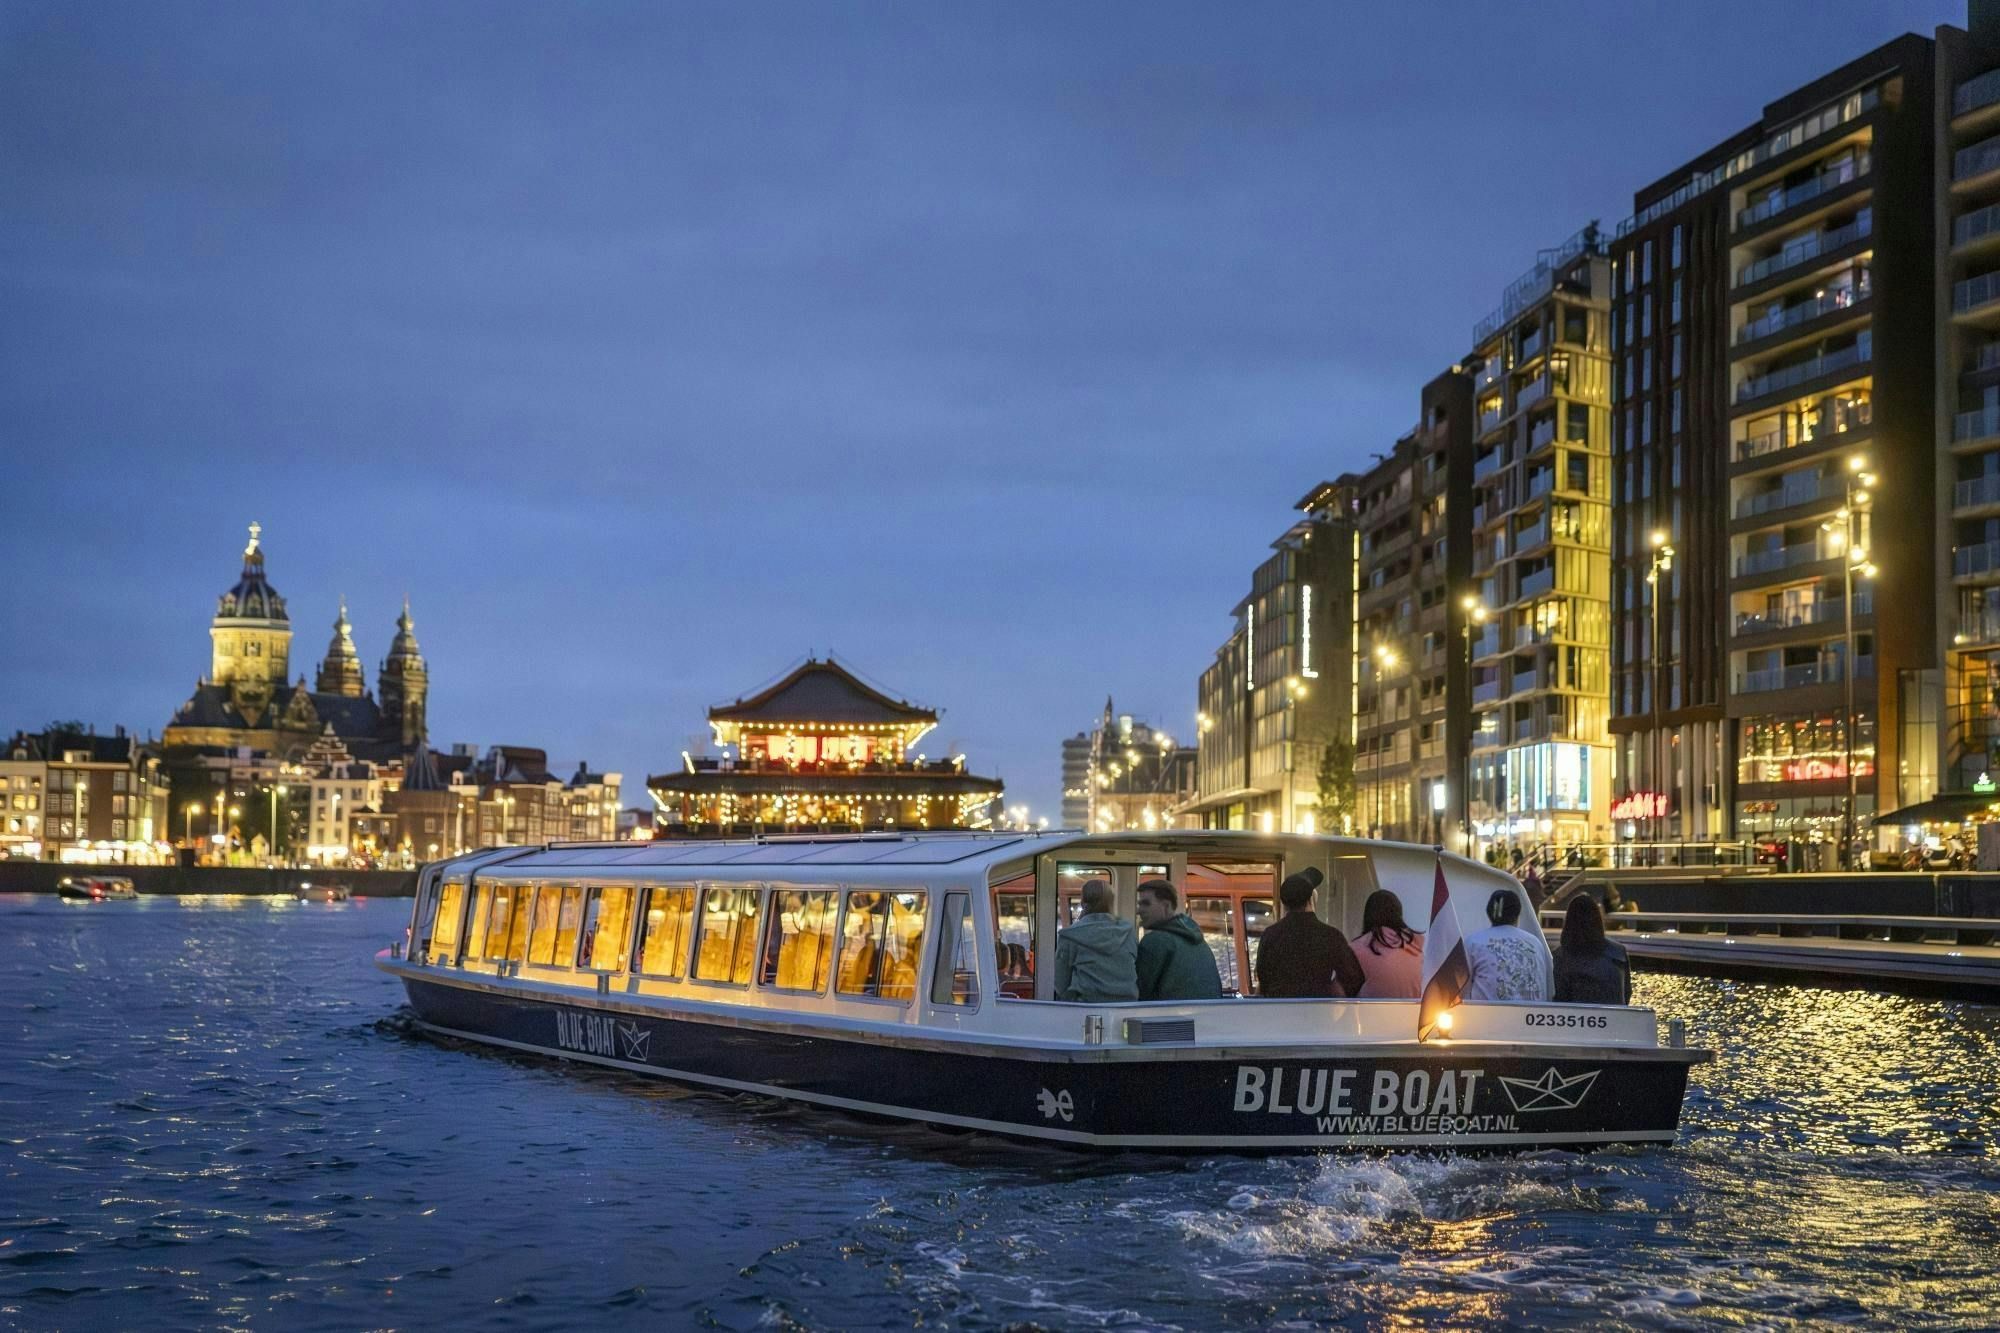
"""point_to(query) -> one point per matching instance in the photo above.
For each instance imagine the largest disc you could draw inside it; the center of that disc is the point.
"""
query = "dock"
(1927, 954)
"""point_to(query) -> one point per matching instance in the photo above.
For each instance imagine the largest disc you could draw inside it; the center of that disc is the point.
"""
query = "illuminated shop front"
(820, 751)
(1792, 775)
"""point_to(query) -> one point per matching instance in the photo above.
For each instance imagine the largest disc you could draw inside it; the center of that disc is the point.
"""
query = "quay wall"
(43, 876)
(1874, 893)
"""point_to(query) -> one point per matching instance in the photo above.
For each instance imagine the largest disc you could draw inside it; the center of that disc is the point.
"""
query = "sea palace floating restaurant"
(820, 751)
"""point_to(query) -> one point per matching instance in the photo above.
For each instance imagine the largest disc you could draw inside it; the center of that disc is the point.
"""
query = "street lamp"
(1662, 563)
(1476, 616)
(1854, 560)
(188, 812)
(1385, 659)
(276, 791)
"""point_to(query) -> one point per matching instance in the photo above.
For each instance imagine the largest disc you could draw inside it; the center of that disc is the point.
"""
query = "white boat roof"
(962, 849)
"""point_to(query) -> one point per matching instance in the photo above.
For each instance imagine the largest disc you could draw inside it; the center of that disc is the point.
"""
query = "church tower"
(403, 684)
(340, 673)
(251, 636)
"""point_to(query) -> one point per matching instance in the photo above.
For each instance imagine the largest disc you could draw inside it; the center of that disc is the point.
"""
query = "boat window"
(1217, 919)
(444, 930)
(880, 938)
(542, 924)
(568, 922)
(1014, 944)
(727, 945)
(955, 978)
(507, 929)
(607, 929)
(798, 947)
(482, 907)
(1257, 916)
(669, 922)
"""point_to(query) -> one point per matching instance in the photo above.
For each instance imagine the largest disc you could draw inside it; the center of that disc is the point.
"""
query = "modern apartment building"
(1281, 685)
(1773, 355)
(1413, 698)
(1541, 541)
(1134, 776)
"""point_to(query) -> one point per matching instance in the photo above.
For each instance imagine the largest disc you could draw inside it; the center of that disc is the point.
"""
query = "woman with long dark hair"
(1590, 969)
(1390, 953)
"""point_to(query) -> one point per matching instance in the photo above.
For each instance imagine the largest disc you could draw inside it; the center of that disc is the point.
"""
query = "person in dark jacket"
(1175, 962)
(1302, 957)
(1590, 969)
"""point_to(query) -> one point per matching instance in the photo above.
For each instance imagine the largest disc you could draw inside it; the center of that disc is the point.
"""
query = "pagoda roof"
(822, 692)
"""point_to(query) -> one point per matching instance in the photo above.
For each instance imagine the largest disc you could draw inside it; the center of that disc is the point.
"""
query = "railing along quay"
(1880, 951)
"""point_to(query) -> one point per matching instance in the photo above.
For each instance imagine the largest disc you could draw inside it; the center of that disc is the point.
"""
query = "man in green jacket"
(1096, 957)
(1174, 960)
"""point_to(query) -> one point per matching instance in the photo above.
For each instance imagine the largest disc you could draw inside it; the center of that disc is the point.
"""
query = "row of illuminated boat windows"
(867, 942)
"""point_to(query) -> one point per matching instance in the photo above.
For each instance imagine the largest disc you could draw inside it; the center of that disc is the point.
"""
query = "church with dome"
(249, 698)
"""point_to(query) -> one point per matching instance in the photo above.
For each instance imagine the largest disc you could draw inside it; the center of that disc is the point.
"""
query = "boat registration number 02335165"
(1539, 1019)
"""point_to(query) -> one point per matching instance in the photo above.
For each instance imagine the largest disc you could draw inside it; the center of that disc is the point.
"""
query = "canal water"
(214, 1113)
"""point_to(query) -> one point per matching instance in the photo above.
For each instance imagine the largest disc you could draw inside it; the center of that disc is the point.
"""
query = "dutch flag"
(1445, 968)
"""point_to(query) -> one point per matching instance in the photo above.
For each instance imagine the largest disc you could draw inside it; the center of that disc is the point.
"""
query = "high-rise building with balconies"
(1775, 660)
(1540, 627)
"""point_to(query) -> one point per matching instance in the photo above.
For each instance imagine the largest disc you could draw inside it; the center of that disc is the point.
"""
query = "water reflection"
(214, 1116)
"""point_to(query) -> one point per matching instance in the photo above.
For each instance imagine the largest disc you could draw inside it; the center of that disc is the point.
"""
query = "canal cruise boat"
(909, 976)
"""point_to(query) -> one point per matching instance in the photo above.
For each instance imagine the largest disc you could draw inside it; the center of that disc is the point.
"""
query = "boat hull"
(1172, 1098)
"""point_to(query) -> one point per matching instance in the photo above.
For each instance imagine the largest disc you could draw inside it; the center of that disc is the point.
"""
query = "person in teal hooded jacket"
(1175, 962)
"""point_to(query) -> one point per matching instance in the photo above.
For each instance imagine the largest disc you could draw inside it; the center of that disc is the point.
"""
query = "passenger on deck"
(1507, 962)
(1302, 957)
(1390, 953)
(1175, 962)
(1589, 968)
(1097, 959)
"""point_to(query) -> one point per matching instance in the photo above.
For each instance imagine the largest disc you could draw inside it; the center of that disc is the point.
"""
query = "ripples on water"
(213, 1113)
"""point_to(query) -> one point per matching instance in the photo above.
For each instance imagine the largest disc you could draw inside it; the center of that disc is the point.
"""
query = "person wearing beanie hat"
(1302, 957)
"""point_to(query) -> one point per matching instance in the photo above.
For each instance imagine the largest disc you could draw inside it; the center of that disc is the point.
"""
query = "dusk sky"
(649, 348)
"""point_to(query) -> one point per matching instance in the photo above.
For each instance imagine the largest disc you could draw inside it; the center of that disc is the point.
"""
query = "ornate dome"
(253, 597)
(403, 651)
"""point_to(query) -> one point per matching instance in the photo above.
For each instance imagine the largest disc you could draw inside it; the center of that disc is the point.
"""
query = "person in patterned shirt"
(1507, 962)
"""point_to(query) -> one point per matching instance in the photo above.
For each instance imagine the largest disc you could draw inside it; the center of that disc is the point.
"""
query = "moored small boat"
(898, 976)
(95, 888)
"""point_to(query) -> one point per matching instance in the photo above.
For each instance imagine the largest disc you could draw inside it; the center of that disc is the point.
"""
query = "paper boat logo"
(1550, 1092)
(635, 1040)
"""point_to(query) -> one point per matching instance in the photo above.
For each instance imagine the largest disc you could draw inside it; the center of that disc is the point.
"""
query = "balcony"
(1528, 538)
(1541, 483)
(1978, 623)
(1490, 418)
(1485, 467)
(1524, 682)
(1985, 357)
(1779, 557)
(1782, 201)
(1817, 612)
(1539, 582)
(1532, 392)
(1975, 293)
(1804, 249)
(1823, 672)
(1977, 424)
(1790, 377)
(1486, 693)
(1976, 93)
(1978, 225)
(1977, 160)
(1543, 434)
(1777, 321)
(1977, 558)
(1976, 492)
(1795, 491)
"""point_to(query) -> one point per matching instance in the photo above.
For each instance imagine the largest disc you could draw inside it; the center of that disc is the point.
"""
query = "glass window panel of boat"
(482, 908)
(881, 936)
(1257, 915)
(663, 950)
(1014, 943)
(955, 978)
(569, 921)
(542, 924)
(1071, 876)
(607, 929)
(798, 946)
(1217, 919)
(444, 925)
(507, 936)
(726, 940)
